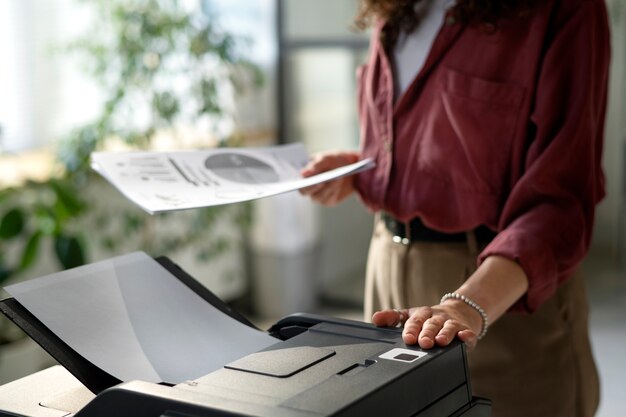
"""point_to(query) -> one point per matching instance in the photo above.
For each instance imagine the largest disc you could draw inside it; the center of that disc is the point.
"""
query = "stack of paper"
(133, 319)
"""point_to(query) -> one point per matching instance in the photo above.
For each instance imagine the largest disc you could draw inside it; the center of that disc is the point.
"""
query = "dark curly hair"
(401, 15)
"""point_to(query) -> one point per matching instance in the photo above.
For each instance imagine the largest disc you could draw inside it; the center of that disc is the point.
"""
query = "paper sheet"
(132, 318)
(163, 181)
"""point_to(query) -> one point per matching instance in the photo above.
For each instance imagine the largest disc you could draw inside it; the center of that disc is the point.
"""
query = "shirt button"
(450, 20)
(387, 145)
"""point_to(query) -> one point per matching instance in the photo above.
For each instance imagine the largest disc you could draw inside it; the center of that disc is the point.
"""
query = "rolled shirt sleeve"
(547, 220)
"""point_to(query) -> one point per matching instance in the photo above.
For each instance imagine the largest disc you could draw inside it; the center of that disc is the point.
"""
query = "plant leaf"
(30, 250)
(12, 224)
(69, 251)
(67, 197)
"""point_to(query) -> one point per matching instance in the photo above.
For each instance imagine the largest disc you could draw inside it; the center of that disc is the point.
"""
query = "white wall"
(610, 232)
(320, 19)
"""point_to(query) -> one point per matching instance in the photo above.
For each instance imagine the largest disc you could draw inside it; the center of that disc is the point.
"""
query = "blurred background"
(79, 75)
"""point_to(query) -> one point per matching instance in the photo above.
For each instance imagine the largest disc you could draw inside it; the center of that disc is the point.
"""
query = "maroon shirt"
(502, 129)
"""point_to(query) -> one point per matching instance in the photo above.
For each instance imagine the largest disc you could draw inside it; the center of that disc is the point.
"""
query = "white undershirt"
(412, 49)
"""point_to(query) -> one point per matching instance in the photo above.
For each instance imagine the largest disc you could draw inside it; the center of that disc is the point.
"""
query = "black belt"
(417, 231)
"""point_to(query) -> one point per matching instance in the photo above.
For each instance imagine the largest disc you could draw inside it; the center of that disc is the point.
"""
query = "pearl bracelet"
(472, 304)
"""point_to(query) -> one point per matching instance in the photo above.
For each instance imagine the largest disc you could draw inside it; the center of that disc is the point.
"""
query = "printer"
(313, 366)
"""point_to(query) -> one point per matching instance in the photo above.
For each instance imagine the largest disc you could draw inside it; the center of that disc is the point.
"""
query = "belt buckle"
(396, 228)
(401, 240)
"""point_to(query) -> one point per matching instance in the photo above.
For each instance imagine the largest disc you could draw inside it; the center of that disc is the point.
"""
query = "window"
(40, 93)
(318, 58)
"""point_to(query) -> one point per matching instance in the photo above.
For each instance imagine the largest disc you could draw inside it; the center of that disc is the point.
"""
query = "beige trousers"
(528, 365)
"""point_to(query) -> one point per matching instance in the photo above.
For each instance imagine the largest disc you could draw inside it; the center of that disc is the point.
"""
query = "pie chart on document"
(242, 169)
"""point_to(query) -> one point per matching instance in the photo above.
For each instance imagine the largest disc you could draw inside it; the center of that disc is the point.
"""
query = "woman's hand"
(496, 285)
(332, 192)
(438, 324)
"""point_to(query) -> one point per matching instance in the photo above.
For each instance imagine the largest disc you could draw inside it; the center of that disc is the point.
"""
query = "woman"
(485, 120)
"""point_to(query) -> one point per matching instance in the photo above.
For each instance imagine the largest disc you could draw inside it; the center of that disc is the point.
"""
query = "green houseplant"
(166, 69)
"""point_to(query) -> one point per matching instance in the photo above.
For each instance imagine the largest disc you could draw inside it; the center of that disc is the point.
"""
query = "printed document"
(164, 181)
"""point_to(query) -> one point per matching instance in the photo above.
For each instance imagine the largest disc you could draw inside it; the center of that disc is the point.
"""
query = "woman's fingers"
(389, 318)
(449, 331)
(469, 338)
(427, 326)
(332, 192)
(430, 330)
(313, 190)
(319, 164)
(329, 160)
(322, 193)
(385, 318)
(326, 192)
(415, 323)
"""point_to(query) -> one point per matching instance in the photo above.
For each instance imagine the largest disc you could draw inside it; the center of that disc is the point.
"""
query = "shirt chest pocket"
(473, 124)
